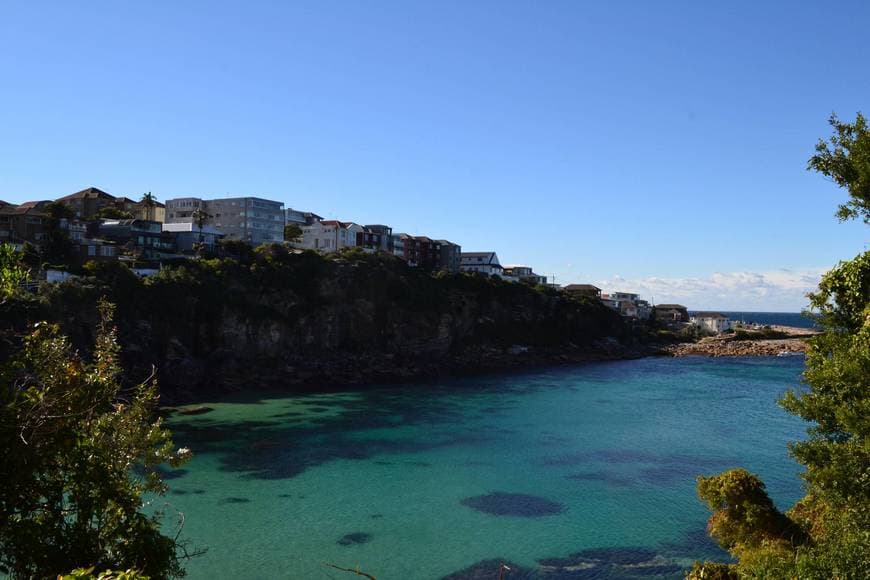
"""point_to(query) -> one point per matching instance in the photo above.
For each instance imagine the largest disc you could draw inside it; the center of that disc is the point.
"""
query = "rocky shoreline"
(342, 371)
(794, 342)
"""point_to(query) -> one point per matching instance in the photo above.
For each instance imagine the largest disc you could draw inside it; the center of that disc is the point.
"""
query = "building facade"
(525, 274)
(421, 252)
(711, 321)
(185, 236)
(23, 223)
(141, 237)
(377, 237)
(587, 290)
(156, 212)
(87, 202)
(250, 219)
(671, 313)
(300, 218)
(625, 296)
(330, 235)
(485, 263)
(451, 256)
(398, 243)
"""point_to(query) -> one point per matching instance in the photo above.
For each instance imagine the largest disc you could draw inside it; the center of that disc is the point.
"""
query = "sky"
(655, 147)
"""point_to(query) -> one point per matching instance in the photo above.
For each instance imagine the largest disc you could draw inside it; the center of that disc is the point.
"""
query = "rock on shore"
(716, 347)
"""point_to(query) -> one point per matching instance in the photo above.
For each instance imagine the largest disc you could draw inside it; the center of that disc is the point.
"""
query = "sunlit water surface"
(569, 472)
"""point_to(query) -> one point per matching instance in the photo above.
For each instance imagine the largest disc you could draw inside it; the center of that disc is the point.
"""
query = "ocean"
(795, 319)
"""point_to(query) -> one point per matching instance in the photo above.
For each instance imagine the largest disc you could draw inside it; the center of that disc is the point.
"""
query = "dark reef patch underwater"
(499, 503)
(354, 538)
(630, 563)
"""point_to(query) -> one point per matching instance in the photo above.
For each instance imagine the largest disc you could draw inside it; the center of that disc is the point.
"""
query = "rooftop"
(337, 223)
(477, 254)
(709, 315)
(89, 193)
(35, 207)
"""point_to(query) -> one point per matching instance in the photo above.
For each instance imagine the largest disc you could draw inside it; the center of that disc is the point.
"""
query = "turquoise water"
(596, 460)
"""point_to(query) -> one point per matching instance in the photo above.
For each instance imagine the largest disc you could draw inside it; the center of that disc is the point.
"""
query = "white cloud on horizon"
(766, 291)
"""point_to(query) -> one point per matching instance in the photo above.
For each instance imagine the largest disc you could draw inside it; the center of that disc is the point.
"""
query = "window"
(92, 250)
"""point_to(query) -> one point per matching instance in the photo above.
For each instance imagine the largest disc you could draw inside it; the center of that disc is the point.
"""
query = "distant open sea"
(781, 318)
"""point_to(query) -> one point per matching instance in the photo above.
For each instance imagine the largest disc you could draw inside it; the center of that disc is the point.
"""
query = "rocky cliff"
(278, 319)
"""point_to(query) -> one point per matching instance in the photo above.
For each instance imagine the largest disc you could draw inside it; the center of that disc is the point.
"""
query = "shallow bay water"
(576, 471)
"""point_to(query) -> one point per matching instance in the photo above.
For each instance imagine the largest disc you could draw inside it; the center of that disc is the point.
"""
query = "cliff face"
(280, 319)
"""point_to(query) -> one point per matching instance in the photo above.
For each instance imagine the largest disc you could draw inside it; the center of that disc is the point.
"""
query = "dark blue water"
(795, 319)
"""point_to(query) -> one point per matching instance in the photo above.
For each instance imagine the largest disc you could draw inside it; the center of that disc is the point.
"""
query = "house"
(525, 274)
(587, 290)
(250, 219)
(330, 235)
(376, 237)
(643, 309)
(624, 306)
(626, 303)
(397, 241)
(485, 263)
(87, 202)
(142, 211)
(421, 252)
(671, 313)
(625, 296)
(142, 237)
(449, 260)
(300, 218)
(712, 321)
(186, 235)
(95, 250)
(628, 308)
(23, 223)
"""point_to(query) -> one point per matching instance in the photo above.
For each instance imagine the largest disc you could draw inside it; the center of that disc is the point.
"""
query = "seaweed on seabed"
(524, 505)
(492, 569)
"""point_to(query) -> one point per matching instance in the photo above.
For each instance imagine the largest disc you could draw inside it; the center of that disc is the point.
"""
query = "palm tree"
(149, 201)
(200, 218)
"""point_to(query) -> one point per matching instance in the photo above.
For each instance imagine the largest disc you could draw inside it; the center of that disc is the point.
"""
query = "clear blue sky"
(620, 142)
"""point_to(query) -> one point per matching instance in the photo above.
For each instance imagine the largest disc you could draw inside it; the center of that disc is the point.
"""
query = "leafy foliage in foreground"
(90, 574)
(12, 270)
(825, 535)
(71, 442)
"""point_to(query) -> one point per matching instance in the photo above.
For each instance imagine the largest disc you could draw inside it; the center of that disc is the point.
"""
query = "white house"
(712, 321)
(330, 235)
(630, 296)
(485, 263)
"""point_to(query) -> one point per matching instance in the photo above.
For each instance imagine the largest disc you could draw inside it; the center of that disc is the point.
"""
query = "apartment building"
(250, 219)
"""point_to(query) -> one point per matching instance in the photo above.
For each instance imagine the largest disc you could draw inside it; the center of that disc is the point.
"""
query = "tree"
(845, 159)
(110, 212)
(200, 218)
(292, 232)
(827, 533)
(13, 271)
(57, 245)
(150, 202)
(78, 454)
